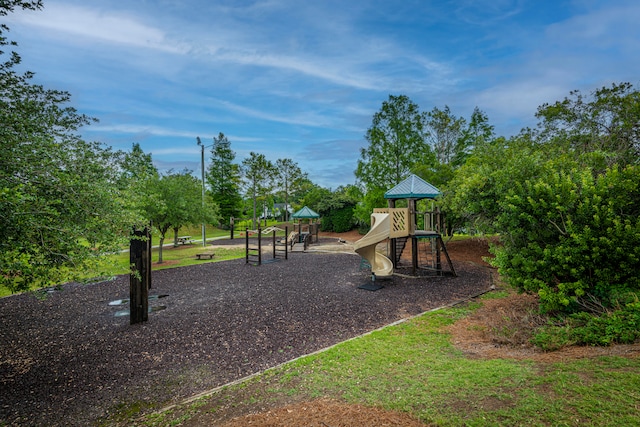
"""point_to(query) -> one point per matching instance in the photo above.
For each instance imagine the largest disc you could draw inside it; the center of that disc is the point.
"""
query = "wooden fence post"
(140, 277)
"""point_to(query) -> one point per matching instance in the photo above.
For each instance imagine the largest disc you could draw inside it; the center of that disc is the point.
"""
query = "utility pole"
(204, 229)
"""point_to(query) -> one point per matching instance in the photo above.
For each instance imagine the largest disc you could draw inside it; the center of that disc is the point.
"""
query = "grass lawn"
(413, 367)
(183, 255)
(179, 256)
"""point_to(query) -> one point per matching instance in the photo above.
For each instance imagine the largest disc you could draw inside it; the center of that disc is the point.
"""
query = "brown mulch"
(73, 359)
(475, 337)
(324, 412)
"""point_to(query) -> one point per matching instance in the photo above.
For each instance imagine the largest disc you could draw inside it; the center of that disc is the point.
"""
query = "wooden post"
(246, 245)
(231, 224)
(412, 230)
(149, 256)
(259, 246)
(140, 277)
(414, 254)
(438, 260)
(274, 243)
(286, 243)
(391, 203)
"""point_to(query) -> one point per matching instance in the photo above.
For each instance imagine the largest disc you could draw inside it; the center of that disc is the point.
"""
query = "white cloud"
(86, 24)
(142, 129)
(303, 119)
(487, 12)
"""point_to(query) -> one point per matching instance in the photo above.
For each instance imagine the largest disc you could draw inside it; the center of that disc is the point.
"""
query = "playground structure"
(253, 254)
(308, 231)
(400, 226)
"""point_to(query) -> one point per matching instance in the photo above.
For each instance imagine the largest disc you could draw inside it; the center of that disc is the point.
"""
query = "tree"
(290, 178)
(223, 177)
(336, 209)
(446, 134)
(60, 206)
(453, 140)
(175, 200)
(607, 122)
(477, 134)
(475, 193)
(397, 144)
(136, 166)
(135, 170)
(258, 173)
(313, 195)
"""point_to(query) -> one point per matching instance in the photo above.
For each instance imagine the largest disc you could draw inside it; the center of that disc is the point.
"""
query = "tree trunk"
(254, 211)
(175, 237)
(160, 249)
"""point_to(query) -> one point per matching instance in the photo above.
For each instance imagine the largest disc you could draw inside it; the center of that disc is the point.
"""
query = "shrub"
(572, 233)
(338, 220)
(553, 337)
(617, 327)
(620, 326)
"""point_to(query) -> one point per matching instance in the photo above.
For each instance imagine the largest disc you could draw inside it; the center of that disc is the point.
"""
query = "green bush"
(338, 220)
(571, 233)
(553, 337)
(620, 326)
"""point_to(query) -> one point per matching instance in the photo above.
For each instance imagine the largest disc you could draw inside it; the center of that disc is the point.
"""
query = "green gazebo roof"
(305, 213)
(413, 187)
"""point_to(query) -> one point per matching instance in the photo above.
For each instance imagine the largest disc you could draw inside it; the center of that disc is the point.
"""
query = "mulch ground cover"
(72, 358)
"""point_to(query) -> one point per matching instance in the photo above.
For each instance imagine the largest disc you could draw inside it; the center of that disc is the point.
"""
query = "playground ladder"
(401, 243)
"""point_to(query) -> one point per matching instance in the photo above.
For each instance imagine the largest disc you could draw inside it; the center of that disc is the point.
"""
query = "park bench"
(205, 255)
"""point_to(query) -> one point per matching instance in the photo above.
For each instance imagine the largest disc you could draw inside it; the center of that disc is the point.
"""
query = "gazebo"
(310, 227)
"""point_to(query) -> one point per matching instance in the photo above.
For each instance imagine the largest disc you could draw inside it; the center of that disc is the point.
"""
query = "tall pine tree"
(224, 179)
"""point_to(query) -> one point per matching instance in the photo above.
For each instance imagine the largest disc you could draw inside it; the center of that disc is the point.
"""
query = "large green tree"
(478, 133)
(59, 202)
(290, 179)
(175, 200)
(336, 209)
(135, 171)
(224, 178)
(446, 132)
(259, 174)
(474, 194)
(606, 121)
(397, 144)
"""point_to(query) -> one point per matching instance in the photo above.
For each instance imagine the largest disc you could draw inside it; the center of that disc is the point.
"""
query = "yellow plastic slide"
(381, 266)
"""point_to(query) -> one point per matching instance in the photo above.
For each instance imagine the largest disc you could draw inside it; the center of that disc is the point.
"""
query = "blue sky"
(302, 79)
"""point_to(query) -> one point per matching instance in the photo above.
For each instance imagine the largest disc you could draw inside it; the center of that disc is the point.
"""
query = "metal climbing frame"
(253, 254)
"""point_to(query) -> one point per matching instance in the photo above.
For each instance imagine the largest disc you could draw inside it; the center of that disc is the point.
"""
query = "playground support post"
(246, 245)
(259, 246)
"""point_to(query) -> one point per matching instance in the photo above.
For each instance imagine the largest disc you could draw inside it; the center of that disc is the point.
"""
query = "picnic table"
(183, 240)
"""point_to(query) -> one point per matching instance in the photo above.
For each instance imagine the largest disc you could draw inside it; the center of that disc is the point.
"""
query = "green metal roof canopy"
(305, 213)
(413, 187)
